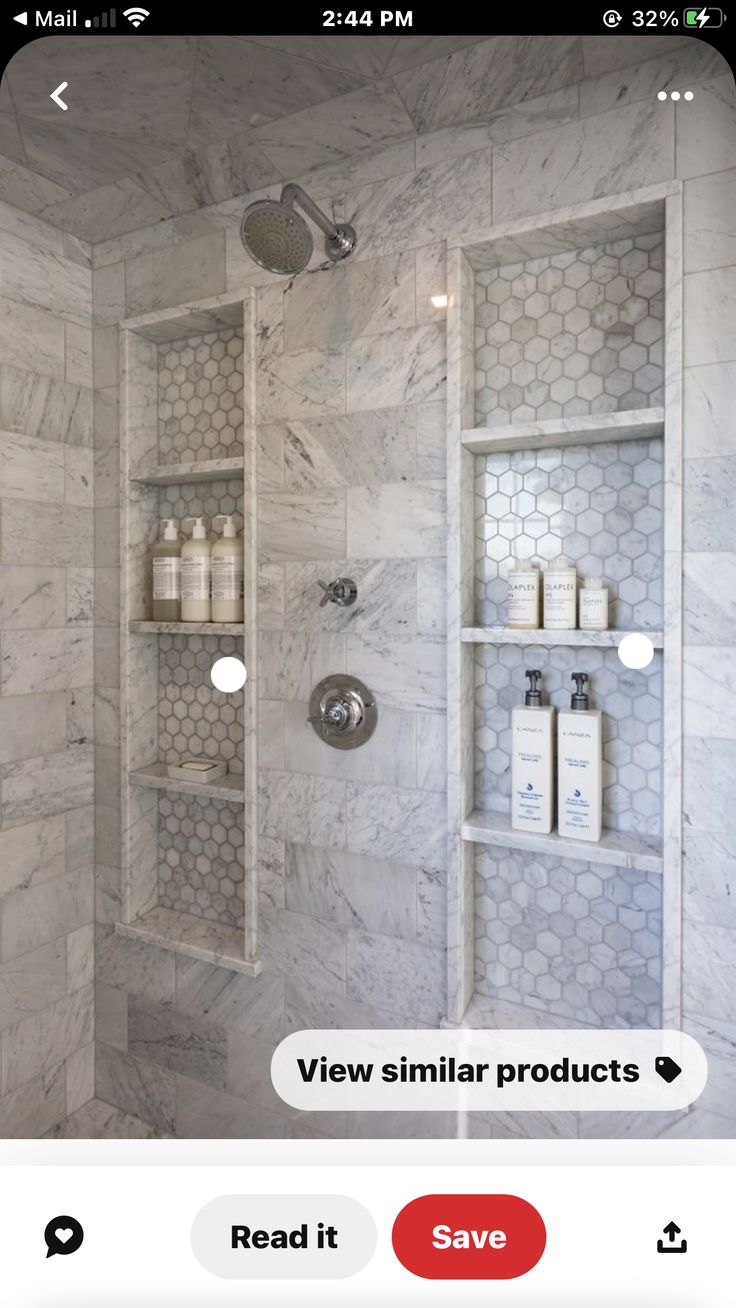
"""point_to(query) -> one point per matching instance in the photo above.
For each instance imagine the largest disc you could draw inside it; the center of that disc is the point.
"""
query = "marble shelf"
(513, 636)
(155, 777)
(194, 937)
(587, 429)
(146, 628)
(616, 848)
(176, 474)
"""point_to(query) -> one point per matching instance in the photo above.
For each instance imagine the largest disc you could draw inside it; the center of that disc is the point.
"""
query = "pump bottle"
(579, 766)
(166, 559)
(532, 760)
(196, 567)
(227, 574)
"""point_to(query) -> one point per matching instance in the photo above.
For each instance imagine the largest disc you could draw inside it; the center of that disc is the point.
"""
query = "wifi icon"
(136, 16)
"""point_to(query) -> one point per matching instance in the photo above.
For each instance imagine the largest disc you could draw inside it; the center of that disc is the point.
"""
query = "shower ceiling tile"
(372, 115)
(366, 57)
(106, 212)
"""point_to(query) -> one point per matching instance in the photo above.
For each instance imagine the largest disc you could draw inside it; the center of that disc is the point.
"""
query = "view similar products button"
(470, 1237)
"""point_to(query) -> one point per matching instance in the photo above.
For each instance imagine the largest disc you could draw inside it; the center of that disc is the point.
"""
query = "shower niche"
(564, 439)
(187, 450)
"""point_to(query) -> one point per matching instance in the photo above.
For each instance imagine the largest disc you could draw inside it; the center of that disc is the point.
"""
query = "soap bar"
(197, 769)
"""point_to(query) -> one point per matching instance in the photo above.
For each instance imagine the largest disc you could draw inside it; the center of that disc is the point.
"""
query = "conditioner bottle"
(532, 760)
(166, 556)
(579, 766)
(227, 574)
(196, 567)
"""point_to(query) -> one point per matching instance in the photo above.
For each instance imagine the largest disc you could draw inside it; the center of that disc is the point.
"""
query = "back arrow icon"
(56, 95)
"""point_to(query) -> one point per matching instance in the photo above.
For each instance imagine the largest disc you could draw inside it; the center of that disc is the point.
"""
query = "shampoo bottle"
(560, 594)
(532, 760)
(522, 601)
(166, 555)
(579, 767)
(196, 567)
(227, 574)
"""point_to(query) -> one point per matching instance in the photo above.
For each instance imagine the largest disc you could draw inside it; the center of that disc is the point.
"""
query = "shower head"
(278, 238)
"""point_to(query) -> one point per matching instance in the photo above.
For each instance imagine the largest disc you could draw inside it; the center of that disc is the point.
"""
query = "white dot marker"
(674, 95)
(228, 675)
(689, 95)
(661, 95)
(636, 650)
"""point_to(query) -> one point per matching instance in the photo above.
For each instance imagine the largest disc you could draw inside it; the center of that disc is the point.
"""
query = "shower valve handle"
(342, 591)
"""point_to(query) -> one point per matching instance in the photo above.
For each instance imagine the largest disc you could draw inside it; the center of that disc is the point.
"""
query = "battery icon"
(704, 17)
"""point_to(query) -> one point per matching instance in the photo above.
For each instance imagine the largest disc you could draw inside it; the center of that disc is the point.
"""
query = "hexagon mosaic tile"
(201, 397)
(571, 333)
(601, 505)
(579, 942)
(195, 720)
(203, 500)
(201, 858)
(631, 702)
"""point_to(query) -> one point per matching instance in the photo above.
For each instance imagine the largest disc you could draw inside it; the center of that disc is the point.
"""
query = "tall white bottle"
(196, 568)
(579, 766)
(532, 760)
(227, 574)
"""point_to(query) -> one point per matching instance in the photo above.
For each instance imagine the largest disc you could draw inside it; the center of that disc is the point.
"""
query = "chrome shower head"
(278, 238)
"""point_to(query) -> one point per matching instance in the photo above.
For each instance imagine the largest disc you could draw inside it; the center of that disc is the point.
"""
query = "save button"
(470, 1237)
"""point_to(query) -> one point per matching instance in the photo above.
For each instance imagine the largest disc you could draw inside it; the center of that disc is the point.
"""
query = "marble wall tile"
(32, 597)
(709, 612)
(354, 449)
(291, 663)
(432, 440)
(309, 526)
(80, 957)
(709, 878)
(710, 330)
(106, 352)
(206, 1114)
(30, 275)
(31, 724)
(78, 476)
(31, 982)
(417, 1126)
(685, 66)
(35, 1108)
(144, 240)
(80, 825)
(708, 210)
(306, 384)
(80, 1077)
(41, 787)
(80, 715)
(406, 673)
(709, 971)
(31, 854)
(403, 826)
(336, 178)
(431, 597)
(107, 537)
(111, 1017)
(61, 535)
(329, 1009)
(45, 661)
(335, 129)
(299, 946)
(80, 597)
(431, 280)
(388, 756)
(432, 908)
(108, 892)
(293, 806)
(107, 597)
(37, 1044)
(26, 189)
(29, 332)
(190, 270)
(709, 427)
(710, 489)
(352, 890)
(271, 734)
(349, 300)
(708, 769)
(78, 349)
(31, 469)
(251, 1005)
(706, 139)
(397, 520)
(106, 418)
(602, 155)
(44, 406)
(437, 203)
(385, 972)
(29, 228)
(107, 775)
(709, 703)
(78, 250)
(136, 1087)
(271, 596)
(387, 596)
(33, 917)
(271, 873)
(188, 1045)
(538, 114)
(431, 729)
(471, 83)
(107, 657)
(108, 294)
(602, 53)
(402, 367)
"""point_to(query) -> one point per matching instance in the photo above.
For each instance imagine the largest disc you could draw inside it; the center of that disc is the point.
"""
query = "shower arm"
(293, 194)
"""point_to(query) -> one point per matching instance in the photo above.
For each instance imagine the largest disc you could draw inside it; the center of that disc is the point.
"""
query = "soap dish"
(196, 769)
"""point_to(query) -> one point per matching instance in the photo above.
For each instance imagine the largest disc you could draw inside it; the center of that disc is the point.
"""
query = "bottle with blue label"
(579, 766)
(532, 760)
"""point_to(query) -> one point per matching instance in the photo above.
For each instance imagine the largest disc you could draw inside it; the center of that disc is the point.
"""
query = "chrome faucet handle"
(342, 591)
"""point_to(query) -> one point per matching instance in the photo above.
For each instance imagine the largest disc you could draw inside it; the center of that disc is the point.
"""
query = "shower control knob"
(342, 711)
(342, 591)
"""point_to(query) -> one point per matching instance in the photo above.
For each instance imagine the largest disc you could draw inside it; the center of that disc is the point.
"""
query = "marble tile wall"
(46, 679)
(343, 420)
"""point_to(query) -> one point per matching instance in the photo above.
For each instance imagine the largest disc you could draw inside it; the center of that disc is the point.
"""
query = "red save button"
(469, 1237)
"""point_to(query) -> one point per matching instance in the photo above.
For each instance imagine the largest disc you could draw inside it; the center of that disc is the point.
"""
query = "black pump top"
(579, 698)
(533, 697)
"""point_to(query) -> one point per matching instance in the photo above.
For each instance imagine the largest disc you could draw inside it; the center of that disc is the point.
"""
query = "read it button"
(469, 1237)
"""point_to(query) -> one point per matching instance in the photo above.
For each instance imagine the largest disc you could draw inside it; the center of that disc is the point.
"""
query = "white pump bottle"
(196, 568)
(227, 573)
